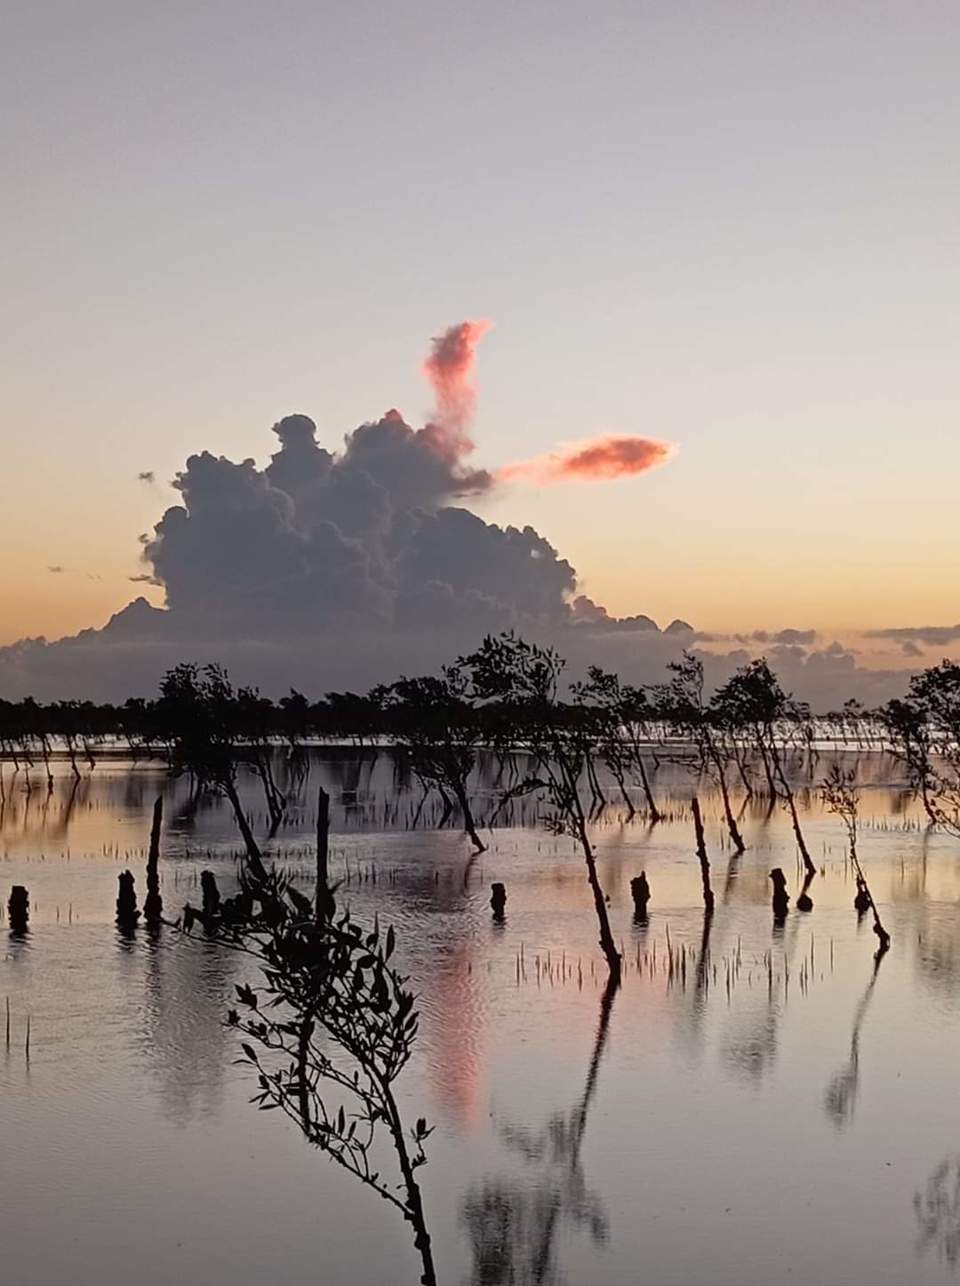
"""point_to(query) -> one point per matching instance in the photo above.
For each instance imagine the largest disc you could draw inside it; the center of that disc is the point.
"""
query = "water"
(763, 1107)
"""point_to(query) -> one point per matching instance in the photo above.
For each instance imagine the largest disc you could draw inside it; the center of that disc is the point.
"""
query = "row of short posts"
(128, 914)
(639, 891)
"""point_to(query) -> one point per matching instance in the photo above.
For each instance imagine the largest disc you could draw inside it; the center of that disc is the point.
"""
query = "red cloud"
(593, 460)
(449, 368)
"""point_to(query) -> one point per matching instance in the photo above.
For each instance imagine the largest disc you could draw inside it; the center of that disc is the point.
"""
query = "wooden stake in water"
(324, 896)
(153, 904)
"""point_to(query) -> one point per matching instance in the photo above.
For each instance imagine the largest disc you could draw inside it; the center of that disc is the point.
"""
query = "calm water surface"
(759, 1106)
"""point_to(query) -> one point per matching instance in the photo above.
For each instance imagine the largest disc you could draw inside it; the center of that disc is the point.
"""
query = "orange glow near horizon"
(53, 605)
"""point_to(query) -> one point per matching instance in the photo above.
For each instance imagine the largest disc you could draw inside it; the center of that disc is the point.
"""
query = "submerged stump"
(18, 909)
(210, 894)
(498, 900)
(640, 892)
(804, 900)
(127, 913)
(781, 898)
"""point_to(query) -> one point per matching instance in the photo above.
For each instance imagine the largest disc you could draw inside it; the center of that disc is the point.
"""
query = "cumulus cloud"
(585, 612)
(367, 534)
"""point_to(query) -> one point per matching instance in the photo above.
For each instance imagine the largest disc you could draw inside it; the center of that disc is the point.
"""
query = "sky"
(730, 227)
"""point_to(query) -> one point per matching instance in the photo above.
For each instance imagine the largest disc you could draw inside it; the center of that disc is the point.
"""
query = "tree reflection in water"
(184, 1037)
(840, 1096)
(512, 1224)
(937, 1209)
(751, 1050)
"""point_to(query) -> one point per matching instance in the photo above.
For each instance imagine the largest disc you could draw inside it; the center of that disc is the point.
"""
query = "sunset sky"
(730, 227)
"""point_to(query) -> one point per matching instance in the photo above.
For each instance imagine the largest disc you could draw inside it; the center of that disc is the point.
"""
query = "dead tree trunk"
(652, 809)
(468, 823)
(251, 845)
(607, 944)
(702, 855)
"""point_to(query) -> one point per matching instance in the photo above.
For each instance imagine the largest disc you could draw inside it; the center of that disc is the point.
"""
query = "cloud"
(57, 569)
(450, 369)
(585, 612)
(933, 635)
(597, 459)
(794, 636)
(789, 637)
(364, 537)
(344, 564)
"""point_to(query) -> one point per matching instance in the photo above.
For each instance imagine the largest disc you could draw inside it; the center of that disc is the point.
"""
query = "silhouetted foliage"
(754, 703)
(707, 725)
(619, 717)
(436, 722)
(841, 796)
(523, 681)
(330, 1026)
(196, 718)
(924, 732)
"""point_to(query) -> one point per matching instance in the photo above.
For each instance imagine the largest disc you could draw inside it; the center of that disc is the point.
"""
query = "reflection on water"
(184, 1040)
(512, 1225)
(659, 1135)
(840, 1097)
(938, 1211)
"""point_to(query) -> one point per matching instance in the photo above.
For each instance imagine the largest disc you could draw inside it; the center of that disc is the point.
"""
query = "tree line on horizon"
(508, 697)
(511, 699)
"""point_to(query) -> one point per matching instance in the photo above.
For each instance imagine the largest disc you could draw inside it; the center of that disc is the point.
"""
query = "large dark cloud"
(242, 549)
(323, 567)
(316, 539)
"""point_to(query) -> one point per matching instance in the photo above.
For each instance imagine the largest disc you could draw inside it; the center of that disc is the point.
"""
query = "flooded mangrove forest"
(481, 978)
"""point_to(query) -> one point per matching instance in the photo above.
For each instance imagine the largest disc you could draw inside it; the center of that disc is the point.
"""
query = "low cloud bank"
(932, 635)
